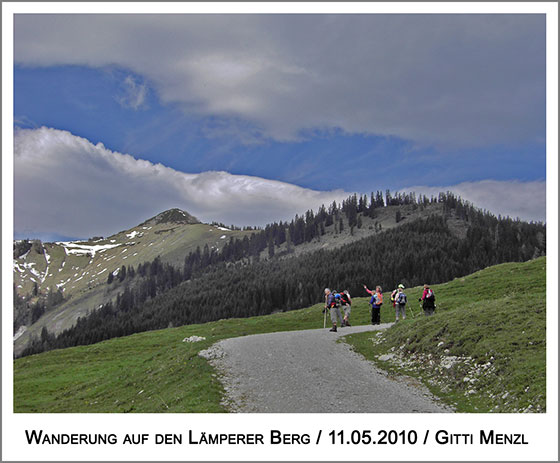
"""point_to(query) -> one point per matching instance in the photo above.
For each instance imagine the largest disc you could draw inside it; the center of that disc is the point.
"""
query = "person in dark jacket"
(376, 302)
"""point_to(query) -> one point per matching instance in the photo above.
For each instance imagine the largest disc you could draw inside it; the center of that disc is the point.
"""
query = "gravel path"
(308, 371)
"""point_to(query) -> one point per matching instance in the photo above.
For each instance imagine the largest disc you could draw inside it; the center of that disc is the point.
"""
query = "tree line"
(27, 310)
(215, 285)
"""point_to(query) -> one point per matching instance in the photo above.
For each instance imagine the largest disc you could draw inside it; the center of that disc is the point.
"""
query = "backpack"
(344, 298)
(430, 296)
(402, 298)
(377, 299)
(336, 300)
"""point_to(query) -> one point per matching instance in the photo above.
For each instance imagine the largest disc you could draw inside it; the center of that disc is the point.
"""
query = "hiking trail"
(310, 372)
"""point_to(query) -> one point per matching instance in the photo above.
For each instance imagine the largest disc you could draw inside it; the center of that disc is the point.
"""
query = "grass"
(485, 348)
(147, 372)
(480, 316)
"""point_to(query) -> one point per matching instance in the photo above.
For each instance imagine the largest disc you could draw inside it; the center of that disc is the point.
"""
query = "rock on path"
(308, 371)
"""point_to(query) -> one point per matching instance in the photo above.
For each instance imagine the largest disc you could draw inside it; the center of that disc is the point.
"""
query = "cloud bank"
(65, 185)
(455, 80)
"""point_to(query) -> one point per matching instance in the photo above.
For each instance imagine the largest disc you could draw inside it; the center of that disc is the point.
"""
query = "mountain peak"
(173, 216)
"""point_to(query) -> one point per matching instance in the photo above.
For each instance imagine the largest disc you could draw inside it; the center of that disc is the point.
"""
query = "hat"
(401, 286)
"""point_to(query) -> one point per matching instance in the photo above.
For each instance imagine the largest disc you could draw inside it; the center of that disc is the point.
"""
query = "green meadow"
(495, 316)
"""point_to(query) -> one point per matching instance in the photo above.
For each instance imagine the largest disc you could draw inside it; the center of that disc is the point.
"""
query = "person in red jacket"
(428, 300)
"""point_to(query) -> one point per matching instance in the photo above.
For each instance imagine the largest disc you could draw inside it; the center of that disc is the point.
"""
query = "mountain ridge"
(173, 215)
(214, 244)
(77, 271)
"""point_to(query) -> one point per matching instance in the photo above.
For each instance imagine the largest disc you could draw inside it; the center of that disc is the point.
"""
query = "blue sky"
(340, 104)
(85, 102)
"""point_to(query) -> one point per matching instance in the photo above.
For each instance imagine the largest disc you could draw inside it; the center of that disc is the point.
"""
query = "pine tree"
(122, 274)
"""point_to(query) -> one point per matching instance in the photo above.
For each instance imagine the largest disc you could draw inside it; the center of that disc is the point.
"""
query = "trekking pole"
(325, 317)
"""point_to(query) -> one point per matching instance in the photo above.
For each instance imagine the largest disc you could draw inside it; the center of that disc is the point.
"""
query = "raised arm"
(369, 290)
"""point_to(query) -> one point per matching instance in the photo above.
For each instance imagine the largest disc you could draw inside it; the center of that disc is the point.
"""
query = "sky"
(249, 119)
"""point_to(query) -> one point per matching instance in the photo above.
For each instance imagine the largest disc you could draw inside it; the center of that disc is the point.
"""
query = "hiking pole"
(325, 317)
(411, 311)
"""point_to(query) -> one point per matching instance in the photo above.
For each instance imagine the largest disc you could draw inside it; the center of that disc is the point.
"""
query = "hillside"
(76, 272)
(160, 371)
(80, 269)
(484, 350)
(80, 265)
(426, 249)
(279, 267)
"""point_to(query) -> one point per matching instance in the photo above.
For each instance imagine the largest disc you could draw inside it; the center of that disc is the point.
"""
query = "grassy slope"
(84, 278)
(86, 287)
(172, 242)
(108, 376)
(484, 350)
(157, 372)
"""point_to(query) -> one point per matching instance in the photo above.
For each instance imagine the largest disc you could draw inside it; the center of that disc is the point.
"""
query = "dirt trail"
(308, 371)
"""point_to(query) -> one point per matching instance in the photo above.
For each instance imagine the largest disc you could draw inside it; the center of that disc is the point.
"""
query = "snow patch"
(21, 330)
(17, 267)
(132, 234)
(71, 247)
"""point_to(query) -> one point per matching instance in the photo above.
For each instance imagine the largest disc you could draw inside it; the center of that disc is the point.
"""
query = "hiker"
(400, 303)
(394, 296)
(376, 302)
(332, 303)
(346, 302)
(428, 300)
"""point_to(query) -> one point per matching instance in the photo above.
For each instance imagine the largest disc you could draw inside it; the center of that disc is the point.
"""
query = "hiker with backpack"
(394, 296)
(400, 303)
(332, 303)
(346, 302)
(428, 300)
(376, 301)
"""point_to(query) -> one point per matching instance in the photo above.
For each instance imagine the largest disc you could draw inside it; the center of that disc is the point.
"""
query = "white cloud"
(63, 184)
(134, 93)
(449, 79)
(525, 200)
